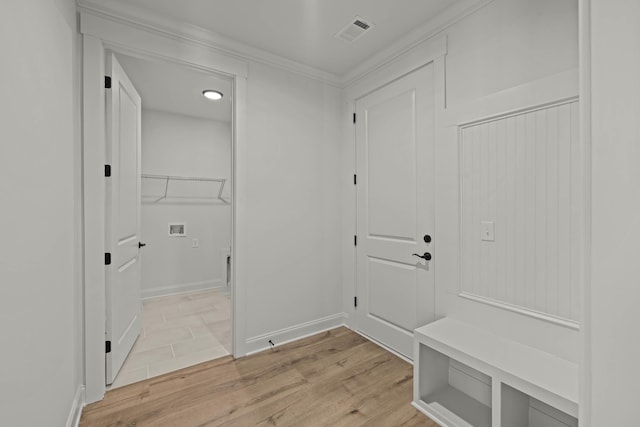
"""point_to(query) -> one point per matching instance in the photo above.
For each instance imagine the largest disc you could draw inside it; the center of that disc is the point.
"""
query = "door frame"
(100, 33)
(432, 51)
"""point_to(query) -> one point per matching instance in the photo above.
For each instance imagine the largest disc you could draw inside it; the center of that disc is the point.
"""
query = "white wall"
(294, 181)
(508, 43)
(184, 146)
(614, 291)
(39, 296)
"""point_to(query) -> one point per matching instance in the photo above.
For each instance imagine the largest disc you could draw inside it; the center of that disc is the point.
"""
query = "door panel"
(123, 217)
(391, 285)
(128, 169)
(391, 212)
(394, 153)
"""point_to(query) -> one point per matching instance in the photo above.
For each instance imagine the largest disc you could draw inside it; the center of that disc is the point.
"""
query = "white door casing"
(123, 204)
(394, 156)
(100, 32)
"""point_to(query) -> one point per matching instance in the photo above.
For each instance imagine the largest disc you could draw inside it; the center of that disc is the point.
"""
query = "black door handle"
(426, 256)
(140, 245)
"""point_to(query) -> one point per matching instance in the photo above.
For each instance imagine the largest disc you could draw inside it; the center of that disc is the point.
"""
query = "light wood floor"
(336, 378)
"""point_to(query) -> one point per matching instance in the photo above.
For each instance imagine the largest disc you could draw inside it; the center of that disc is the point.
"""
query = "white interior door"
(123, 217)
(394, 150)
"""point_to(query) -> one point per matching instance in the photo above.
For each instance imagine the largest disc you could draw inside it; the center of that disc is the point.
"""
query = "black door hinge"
(355, 179)
(355, 240)
(354, 118)
(107, 82)
(355, 301)
(107, 258)
(107, 347)
(107, 170)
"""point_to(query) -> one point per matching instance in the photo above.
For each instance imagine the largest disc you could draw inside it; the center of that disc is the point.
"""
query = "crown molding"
(166, 26)
(161, 24)
(413, 39)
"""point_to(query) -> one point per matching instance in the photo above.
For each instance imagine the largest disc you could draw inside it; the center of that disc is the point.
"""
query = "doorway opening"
(185, 220)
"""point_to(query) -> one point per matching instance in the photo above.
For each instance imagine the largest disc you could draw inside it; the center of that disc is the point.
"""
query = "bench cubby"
(465, 376)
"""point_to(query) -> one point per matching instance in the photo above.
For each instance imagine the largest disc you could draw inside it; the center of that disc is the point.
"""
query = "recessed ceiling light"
(213, 95)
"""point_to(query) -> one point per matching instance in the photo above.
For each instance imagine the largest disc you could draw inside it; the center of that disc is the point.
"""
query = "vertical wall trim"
(584, 40)
(73, 420)
(93, 142)
(439, 134)
(239, 238)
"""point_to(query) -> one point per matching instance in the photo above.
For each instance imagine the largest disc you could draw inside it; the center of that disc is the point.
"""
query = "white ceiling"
(172, 88)
(297, 30)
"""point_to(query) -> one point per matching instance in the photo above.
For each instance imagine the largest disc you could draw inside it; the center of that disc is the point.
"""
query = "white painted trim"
(147, 45)
(181, 288)
(417, 57)
(349, 213)
(215, 43)
(93, 142)
(584, 41)
(283, 336)
(555, 89)
(560, 321)
(416, 37)
(73, 420)
(131, 16)
(118, 34)
(239, 214)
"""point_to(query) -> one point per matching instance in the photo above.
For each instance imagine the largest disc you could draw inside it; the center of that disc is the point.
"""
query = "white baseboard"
(293, 333)
(76, 408)
(180, 288)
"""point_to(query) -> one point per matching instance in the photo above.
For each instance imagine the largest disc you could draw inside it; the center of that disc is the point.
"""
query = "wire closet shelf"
(169, 178)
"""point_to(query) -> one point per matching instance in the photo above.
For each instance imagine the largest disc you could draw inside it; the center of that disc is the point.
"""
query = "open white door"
(123, 218)
(394, 150)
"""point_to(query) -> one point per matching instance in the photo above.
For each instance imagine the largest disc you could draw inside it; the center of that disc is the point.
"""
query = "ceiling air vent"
(354, 30)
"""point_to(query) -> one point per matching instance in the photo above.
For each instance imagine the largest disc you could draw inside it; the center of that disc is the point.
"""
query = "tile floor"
(179, 331)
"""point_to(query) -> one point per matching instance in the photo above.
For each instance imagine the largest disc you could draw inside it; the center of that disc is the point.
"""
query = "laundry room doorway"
(183, 289)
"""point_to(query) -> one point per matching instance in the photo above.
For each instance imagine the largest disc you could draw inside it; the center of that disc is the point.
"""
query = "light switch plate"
(487, 231)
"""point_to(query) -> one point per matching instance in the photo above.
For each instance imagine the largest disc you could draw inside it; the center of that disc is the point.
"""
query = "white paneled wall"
(521, 172)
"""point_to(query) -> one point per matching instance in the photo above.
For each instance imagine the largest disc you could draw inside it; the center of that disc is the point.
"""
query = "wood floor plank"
(336, 378)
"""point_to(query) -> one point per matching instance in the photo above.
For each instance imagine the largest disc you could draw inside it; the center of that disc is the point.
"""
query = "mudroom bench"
(467, 376)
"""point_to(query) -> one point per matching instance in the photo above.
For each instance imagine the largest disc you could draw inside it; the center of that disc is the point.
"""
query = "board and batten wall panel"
(521, 172)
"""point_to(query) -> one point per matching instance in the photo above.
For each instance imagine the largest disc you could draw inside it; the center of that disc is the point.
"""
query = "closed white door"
(394, 150)
(122, 217)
